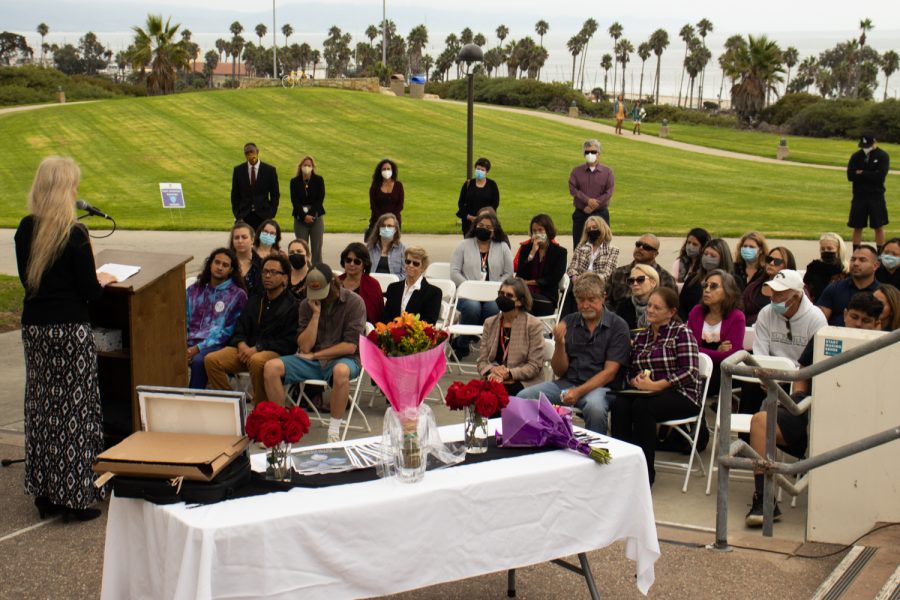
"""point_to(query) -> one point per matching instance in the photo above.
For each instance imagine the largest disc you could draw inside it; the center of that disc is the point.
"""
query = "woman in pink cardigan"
(718, 322)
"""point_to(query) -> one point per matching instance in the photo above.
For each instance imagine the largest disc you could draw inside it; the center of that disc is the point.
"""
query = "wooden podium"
(149, 310)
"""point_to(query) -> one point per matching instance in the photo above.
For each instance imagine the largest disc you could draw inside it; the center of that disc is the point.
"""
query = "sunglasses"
(771, 260)
(636, 280)
(413, 263)
(271, 272)
(595, 152)
(353, 261)
(646, 247)
(711, 286)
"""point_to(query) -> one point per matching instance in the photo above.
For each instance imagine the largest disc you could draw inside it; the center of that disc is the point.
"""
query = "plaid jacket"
(673, 356)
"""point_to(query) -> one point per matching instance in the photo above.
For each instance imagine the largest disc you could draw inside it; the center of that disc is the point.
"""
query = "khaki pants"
(226, 362)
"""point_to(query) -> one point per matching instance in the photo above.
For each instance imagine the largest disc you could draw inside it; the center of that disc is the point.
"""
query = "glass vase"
(411, 460)
(278, 463)
(476, 428)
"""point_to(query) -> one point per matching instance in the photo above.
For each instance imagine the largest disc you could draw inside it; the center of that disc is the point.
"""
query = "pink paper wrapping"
(405, 380)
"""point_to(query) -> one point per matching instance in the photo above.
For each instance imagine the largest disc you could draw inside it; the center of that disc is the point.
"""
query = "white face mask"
(306, 170)
(387, 174)
(867, 150)
(590, 158)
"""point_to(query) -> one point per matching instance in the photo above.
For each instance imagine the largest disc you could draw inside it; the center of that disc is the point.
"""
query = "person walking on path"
(619, 112)
(591, 186)
(637, 115)
(867, 170)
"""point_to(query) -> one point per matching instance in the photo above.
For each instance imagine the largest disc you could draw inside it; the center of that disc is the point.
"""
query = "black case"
(161, 491)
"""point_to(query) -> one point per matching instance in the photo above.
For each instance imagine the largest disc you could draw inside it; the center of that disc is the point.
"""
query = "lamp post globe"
(470, 54)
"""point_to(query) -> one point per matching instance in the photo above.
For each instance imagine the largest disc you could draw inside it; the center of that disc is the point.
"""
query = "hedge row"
(32, 85)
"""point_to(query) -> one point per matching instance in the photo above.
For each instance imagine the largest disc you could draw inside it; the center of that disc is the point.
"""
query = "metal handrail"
(741, 456)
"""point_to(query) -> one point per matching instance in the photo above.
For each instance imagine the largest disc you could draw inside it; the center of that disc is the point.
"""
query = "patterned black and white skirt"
(63, 415)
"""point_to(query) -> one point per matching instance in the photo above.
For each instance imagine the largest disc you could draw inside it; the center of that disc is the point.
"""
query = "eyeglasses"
(586, 152)
(413, 263)
(771, 260)
(643, 246)
(711, 286)
(353, 261)
(271, 272)
(636, 280)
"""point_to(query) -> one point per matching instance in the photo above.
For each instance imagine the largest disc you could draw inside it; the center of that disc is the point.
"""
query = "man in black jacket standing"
(265, 330)
(254, 189)
(867, 169)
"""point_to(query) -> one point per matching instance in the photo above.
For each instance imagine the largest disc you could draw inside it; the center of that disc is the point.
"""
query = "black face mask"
(828, 257)
(483, 234)
(593, 235)
(505, 304)
(298, 261)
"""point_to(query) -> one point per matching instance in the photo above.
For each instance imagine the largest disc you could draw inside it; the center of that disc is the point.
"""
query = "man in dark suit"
(414, 294)
(254, 189)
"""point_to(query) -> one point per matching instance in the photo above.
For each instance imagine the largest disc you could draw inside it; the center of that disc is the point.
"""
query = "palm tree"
(315, 58)
(865, 26)
(643, 52)
(236, 45)
(686, 34)
(155, 45)
(417, 39)
(261, 30)
(727, 60)
(659, 41)
(889, 65)
(287, 31)
(575, 45)
(587, 32)
(758, 63)
(790, 57)
(615, 32)
(212, 61)
(606, 64)
(502, 33)
(220, 46)
(704, 26)
(479, 40)
(466, 36)
(541, 28)
(624, 49)
(371, 33)
(43, 30)
(427, 63)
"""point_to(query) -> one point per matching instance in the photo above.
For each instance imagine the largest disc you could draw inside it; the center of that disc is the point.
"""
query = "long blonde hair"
(51, 202)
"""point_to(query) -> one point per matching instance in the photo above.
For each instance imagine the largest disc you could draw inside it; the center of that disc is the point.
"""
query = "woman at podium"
(63, 418)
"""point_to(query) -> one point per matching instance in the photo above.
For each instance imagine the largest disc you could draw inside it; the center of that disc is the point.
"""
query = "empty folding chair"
(479, 291)
(438, 270)
(384, 280)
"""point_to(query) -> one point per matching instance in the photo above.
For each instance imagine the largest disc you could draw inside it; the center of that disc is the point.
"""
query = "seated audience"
(750, 258)
(541, 263)
(890, 297)
(331, 320)
(241, 243)
(717, 322)
(268, 238)
(643, 281)
(414, 294)
(754, 297)
(715, 255)
(592, 347)
(481, 256)
(646, 250)
(836, 297)
(266, 329)
(299, 257)
(863, 312)
(594, 253)
(665, 362)
(385, 248)
(688, 260)
(889, 271)
(357, 265)
(512, 345)
(214, 303)
(832, 265)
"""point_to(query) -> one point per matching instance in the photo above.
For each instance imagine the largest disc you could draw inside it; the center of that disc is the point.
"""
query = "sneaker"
(334, 438)
(754, 518)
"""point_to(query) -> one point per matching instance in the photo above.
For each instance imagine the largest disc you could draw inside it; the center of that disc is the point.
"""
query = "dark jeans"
(634, 419)
(579, 218)
(198, 379)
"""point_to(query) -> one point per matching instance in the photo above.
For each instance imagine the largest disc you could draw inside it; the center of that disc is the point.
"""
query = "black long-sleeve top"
(268, 324)
(67, 285)
(308, 193)
(473, 198)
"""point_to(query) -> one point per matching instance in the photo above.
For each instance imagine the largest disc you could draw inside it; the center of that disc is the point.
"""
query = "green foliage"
(787, 106)
(12, 294)
(658, 112)
(836, 118)
(883, 120)
(32, 85)
(526, 93)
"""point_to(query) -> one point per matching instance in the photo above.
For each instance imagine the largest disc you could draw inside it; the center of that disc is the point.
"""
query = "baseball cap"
(318, 282)
(785, 279)
(866, 140)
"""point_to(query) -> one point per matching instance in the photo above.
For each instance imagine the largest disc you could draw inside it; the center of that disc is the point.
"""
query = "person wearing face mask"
(541, 263)
(643, 281)
(413, 294)
(867, 170)
(385, 194)
(715, 255)
(385, 248)
(307, 199)
(836, 296)
(591, 186)
(593, 254)
(512, 345)
(688, 261)
(298, 256)
(268, 238)
(754, 298)
(254, 189)
(832, 265)
(750, 259)
(476, 193)
(889, 271)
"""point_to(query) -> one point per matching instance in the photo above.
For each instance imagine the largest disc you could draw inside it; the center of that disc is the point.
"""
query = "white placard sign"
(172, 195)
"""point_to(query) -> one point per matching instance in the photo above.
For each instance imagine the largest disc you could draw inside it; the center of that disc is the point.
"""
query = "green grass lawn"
(819, 151)
(11, 296)
(127, 147)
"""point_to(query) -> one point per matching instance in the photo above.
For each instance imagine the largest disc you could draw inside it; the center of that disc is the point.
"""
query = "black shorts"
(868, 212)
(793, 430)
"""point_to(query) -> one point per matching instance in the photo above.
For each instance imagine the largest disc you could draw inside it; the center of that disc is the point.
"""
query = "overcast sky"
(810, 26)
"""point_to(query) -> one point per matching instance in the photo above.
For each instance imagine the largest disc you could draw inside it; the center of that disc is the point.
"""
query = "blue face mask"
(749, 252)
(779, 307)
(267, 239)
(889, 261)
(479, 174)
(387, 232)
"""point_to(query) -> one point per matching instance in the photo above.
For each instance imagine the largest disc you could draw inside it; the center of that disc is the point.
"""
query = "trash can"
(398, 84)
(417, 86)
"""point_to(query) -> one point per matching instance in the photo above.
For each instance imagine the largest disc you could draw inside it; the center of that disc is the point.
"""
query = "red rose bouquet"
(277, 428)
(481, 399)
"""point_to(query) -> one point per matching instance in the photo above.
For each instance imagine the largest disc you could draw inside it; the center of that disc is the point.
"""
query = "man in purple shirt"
(591, 186)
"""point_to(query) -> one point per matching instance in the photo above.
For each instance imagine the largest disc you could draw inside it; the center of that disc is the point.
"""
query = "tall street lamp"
(275, 47)
(470, 54)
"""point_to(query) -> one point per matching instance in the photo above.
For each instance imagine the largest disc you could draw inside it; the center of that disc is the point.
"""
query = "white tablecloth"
(382, 537)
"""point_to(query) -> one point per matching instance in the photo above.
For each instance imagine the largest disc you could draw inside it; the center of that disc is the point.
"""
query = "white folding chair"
(682, 427)
(479, 291)
(448, 288)
(189, 281)
(384, 280)
(740, 422)
(749, 338)
(551, 321)
(438, 270)
(549, 347)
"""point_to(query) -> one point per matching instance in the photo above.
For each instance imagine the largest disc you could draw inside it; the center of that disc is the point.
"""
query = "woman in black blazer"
(541, 262)
(307, 198)
(424, 299)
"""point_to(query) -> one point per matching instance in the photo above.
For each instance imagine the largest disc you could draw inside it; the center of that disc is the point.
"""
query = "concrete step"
(867, 571)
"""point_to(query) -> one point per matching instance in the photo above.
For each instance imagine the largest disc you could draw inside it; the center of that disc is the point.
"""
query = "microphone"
(82, 205)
